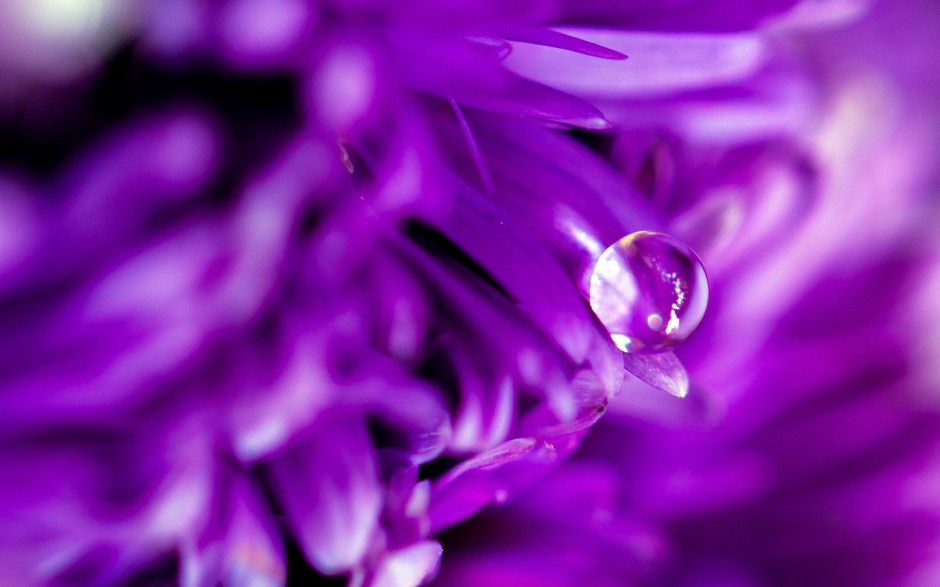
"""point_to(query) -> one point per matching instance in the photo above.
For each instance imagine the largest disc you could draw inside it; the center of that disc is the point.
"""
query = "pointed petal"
(160, 161)
(659, 64)
(590, 207)
(328, 485)
(480, 83)
(519, 96)
(779, 101)
(551, 38)
(488, 478)
(520, 350)
(483, 420)
(417, 413)
(242, 548)
(408, 567)
(681, 15)
(663, 371)
(273, 410)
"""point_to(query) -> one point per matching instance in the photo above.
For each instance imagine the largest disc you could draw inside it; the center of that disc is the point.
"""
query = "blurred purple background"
(373, 293)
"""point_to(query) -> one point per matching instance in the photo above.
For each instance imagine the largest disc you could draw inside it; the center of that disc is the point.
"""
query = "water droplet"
(650, 292)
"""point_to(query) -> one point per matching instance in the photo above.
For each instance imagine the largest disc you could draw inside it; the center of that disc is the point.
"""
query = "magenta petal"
(480, 83)
(404, 314)
(161, 161)
(406, 507)
(543, 291)
(328, 485)
(489, 477)
(552, 38)
(663, 371)
(242, 548)
(521, 97)
(258, 34)
(590, 206)
(779, 101)
(675, 15)
(275, 407)
(416, 412)
(659, 64)
(589, 396)
(21, 224)
(521, 350)
(408, 567)
(486, 409)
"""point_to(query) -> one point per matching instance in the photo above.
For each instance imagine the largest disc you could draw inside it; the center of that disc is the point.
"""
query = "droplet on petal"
(650, 291)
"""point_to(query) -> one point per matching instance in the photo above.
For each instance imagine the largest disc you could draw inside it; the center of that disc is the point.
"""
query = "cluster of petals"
(806, 450)
(295, 288)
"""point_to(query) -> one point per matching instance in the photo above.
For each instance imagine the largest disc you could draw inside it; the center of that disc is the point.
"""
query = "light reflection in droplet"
(650, 292)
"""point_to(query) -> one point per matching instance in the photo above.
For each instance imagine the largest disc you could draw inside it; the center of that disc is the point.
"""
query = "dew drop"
(650, 291)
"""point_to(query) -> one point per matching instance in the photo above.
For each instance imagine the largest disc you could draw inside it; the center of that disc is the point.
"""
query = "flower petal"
(552, 38)
(241, 548)
(672, 15)
(481, 83)
(489, 477)
(328, 485)
(663, 371)
(576, 210)
(660, 63)
(408, 567)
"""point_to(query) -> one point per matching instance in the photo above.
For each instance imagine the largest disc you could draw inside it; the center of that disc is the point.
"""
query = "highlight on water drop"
(650, 291)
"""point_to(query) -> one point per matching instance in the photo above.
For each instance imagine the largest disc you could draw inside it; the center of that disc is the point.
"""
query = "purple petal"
(416, 412)
(518, 96)
(263, 33)
(480, 83)
(520, 349)
(684, 15)
(659, 64)
(780, 101)
(327, 483)
(158, 162)
(489, 477)
(543, 290)
(406, 507)
(241, 546)
(589, 398)
(486, 408)
(552, 38)
(663, 371)
(407, 567)
(274, 409)
(590, 207)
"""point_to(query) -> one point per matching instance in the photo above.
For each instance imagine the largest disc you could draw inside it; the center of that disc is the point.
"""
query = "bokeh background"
(298, 292)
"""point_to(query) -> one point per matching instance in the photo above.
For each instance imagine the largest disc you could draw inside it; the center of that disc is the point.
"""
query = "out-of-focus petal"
(488, 477)
(483, 85)
(660, 64)
(240, 546)
(327, 482)
(553, 38)
(663, 371)
(681, 15)
(408, 567)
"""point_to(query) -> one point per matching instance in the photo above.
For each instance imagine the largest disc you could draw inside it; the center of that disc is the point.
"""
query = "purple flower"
(295, 288)
(807, 445)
